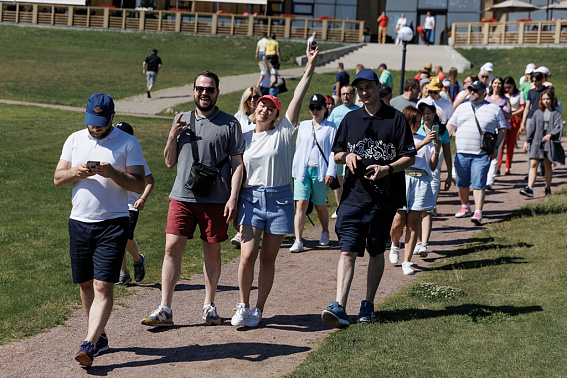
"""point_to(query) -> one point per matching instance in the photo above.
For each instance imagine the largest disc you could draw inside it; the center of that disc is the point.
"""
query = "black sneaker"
(527, 191)
(149, 95)
(85, 355)
(547, 191)
(124, 278)
(140, 269)
(101, 345)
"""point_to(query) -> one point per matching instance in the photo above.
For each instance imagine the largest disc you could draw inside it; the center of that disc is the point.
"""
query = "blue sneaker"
(85, 355)
(159, 318)
(335, 316)
(101, 345)
(366, 313)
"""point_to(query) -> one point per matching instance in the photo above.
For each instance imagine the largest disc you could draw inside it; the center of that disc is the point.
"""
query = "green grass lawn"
(493, 308)
(65, 67)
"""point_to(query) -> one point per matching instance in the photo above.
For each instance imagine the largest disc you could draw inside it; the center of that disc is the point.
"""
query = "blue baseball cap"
(365, 74)
(100, 109)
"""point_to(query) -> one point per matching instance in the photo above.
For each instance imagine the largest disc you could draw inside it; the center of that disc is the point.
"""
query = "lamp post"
(405, 34)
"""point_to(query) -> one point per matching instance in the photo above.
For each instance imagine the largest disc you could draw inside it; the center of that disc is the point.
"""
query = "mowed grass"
(35, 273)
(494, 307)
(63, 66)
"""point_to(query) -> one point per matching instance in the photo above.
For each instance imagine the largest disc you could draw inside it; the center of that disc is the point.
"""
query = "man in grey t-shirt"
(409, 97)
(220, 144)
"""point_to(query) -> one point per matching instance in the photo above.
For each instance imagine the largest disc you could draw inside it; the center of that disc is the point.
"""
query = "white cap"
(543, 70)
(487, 67)
(446, 82)
(427, 101)
(530, 68)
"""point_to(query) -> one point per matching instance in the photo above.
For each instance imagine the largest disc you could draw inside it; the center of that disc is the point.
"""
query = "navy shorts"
(97, 249)
(132, 222)
(361, 228)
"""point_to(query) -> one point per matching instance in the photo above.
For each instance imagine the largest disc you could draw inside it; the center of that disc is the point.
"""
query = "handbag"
(280, 84)
(202, 178)
(556, 152)
(336, 183)
(487, 140)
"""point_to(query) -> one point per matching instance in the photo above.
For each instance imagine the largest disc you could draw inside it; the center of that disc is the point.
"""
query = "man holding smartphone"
(102, 164)
(376, 144)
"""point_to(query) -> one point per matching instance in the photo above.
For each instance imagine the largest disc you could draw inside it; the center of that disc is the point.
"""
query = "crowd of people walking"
(382, 156)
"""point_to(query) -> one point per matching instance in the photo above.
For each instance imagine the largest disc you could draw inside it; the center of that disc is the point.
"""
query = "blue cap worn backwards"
(100, 109)
(365, 74)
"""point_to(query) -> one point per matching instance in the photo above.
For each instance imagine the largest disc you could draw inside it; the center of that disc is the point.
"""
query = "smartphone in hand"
(370, 173)
(92, 164)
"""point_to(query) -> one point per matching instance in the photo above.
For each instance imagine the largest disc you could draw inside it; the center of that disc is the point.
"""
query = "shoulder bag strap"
(194, 147)
(320, 149)
(476, 120)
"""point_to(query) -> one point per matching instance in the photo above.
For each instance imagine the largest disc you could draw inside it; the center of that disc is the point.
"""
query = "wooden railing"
(180, 22)
(509, 33)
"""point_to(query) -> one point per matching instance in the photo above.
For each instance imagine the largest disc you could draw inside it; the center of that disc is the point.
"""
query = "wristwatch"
(390, 169)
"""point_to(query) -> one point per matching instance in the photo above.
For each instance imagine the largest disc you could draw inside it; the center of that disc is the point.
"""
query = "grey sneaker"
(335, 316)
(140, 269)
(124, 279)
(366, 313)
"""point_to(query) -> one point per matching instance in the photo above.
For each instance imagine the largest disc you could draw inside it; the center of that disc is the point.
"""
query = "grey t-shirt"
(400, 103)
(218, 136)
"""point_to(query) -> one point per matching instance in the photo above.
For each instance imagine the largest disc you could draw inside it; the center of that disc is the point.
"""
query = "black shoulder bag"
(202, 178)
(487, 140)
(335, 184)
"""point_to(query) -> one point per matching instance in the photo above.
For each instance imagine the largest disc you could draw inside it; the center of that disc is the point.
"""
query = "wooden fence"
(180, 22)
(509, 33)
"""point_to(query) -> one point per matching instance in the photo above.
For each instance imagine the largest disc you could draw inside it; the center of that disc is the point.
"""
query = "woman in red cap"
(266, 205)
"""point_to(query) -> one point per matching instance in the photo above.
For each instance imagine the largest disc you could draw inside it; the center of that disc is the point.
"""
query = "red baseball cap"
(274, 100)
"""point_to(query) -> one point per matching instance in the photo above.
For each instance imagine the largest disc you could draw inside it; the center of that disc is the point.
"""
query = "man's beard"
(102, 136)
(205, 108)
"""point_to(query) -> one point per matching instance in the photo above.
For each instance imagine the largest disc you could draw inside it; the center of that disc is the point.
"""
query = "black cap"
(318, 99)
(125, 127)
(385, 90)
(477, 85)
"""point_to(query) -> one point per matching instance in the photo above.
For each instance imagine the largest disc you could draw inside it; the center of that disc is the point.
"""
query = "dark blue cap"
(477, 85)
(100, 109)
(365, 74)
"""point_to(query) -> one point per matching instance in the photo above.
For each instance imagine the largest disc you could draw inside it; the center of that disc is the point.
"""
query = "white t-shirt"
(268, 155)
(517, 100)
(446, 106)
(244, 121)
(401, 23)
(262, 44)
(95, 198)
(424, 155)
(267, 79)
(429, 22)
(467, 137)
(133, 196)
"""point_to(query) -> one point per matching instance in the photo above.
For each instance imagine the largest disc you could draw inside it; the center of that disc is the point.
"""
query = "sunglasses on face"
(433, 92)
(255, 98)
(485, 77)
(315, 107)
(209, 90)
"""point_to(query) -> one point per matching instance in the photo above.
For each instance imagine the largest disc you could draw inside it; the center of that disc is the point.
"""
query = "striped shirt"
(467, 137)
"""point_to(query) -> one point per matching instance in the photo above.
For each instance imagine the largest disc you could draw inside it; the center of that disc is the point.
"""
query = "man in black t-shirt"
(531, 106)
(151, 67)
(376, 144)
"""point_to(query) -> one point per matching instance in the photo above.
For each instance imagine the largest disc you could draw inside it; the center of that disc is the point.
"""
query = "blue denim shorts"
(267, 208)
(471, 170)
(310, 187)
(419, 194)
(362, 228)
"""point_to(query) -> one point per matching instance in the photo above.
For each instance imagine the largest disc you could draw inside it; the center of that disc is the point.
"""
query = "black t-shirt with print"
(379, 139)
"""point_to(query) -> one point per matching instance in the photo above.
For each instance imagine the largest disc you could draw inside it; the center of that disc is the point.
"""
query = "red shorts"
(183, 217)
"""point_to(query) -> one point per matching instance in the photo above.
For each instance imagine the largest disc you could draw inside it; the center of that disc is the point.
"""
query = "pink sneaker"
(477, 219)
(465, 212)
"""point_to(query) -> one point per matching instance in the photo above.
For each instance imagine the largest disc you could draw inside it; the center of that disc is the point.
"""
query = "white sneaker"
(407, 269)
(297, 246)
(394, 254)
(324, 238)
(236, 240)
(334, 216)
(254, 318)
(240, 316)
(421, 250)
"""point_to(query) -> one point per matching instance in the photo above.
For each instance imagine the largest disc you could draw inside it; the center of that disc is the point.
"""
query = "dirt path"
(304, 285)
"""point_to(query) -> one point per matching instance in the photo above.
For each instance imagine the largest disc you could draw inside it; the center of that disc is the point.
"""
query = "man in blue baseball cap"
(376, 144)
(102, 164)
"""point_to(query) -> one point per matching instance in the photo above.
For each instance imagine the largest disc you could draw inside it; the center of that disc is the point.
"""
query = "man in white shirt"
(428, 28)
(434, 89)
(471, 161)
(400, 23)
(102, 164)
(261, 46)
(312, 41)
